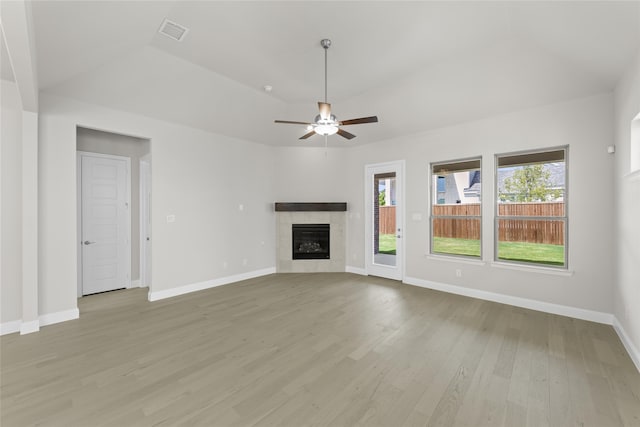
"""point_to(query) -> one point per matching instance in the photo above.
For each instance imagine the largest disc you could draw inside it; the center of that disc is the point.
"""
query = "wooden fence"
(387, 220)
(511, 230)
(548, 231)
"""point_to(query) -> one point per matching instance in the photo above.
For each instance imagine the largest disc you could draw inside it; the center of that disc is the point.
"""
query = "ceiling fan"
(326, 123)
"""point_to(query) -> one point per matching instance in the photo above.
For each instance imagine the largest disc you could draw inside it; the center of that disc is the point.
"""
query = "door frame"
(79, 156)
(144, 214)
(397, 272)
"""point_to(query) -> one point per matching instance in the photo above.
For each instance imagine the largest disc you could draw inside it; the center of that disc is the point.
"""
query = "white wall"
(11, 204)
(126, 146)
(627, 211)
(192, 172)
(311, 174)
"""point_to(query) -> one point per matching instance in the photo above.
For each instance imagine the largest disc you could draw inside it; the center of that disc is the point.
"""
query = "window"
(456, 220)
(531, 211)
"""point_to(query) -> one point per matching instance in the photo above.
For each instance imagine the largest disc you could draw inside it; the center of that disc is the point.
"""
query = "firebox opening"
(310, 241)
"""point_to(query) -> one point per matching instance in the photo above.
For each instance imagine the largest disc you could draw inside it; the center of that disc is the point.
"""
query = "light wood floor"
(316, 349)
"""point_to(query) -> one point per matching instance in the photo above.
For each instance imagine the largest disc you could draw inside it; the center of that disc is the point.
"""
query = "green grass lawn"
(532, 252)
(387, 244)
(508, 251)
(448, 245)
(511, 251)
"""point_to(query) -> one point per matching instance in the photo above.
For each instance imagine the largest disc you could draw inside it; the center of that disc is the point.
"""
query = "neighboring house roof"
(475, 186)
(474, 190)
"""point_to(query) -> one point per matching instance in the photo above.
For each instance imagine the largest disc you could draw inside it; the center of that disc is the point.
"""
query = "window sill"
(456, 259)
(533, 269)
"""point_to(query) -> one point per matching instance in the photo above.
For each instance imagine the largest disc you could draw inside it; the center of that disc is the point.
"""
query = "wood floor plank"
(315, 349)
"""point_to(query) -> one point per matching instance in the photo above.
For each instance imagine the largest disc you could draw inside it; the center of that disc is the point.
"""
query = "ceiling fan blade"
(292, 123)
(345, 134)
(325, 110)
(307, 135)
(372, 119)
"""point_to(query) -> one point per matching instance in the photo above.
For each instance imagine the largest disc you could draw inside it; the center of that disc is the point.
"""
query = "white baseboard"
(34, 325)
(10, 327)
(194, 287)
(355, 270)
(59, 316)
(547, 307)
(628, 344)
(29, 327)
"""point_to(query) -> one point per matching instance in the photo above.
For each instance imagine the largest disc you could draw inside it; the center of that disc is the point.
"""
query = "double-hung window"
(456, 220)
(531, 208)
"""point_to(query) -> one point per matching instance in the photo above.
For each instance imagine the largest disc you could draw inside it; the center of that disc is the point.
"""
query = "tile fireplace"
(311, 237)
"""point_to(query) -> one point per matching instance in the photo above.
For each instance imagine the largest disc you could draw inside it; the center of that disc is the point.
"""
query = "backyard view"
(531, 208)
(531, 219)
(384, 236)
(513, 251)
(387, 244)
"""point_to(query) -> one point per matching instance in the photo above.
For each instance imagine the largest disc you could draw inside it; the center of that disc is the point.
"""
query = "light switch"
(171, 218)
(416, 216)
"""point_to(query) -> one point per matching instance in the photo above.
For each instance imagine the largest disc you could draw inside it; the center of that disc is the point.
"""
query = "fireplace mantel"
(311, 207)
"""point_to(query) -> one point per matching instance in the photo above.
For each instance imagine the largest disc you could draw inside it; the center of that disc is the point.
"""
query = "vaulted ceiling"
(417, 65)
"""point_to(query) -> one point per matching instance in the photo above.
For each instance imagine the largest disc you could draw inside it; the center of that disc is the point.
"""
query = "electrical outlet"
(245, 261)
(458, 272)
(225, 264)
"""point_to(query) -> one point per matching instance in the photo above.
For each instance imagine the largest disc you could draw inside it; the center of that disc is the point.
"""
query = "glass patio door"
(384, 223)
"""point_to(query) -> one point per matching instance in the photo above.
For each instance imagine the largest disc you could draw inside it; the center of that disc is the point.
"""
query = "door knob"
(86, 242)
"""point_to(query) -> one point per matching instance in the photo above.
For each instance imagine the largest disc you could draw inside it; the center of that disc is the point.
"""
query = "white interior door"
(105, 223)
(384, 219)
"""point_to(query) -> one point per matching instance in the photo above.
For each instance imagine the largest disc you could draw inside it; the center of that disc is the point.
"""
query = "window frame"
(433, 193)
(564, 218)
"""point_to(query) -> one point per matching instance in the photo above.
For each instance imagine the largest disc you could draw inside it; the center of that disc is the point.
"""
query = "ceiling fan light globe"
(326, 130)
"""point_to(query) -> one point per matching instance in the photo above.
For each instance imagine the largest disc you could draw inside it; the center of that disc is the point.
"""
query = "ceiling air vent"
(173, 30)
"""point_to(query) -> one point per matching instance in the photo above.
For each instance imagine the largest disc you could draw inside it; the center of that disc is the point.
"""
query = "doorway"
(384, 220)
(137, 152)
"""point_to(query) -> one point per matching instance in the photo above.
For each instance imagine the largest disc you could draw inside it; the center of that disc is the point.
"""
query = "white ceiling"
(417, 65)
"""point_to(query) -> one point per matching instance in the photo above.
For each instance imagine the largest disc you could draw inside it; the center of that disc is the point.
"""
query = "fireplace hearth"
(310, 241)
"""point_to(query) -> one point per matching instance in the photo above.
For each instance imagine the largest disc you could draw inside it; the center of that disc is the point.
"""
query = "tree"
(381, 198)
(530, 183)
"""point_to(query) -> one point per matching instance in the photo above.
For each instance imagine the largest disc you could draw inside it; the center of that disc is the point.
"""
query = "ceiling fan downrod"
(325, 43)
